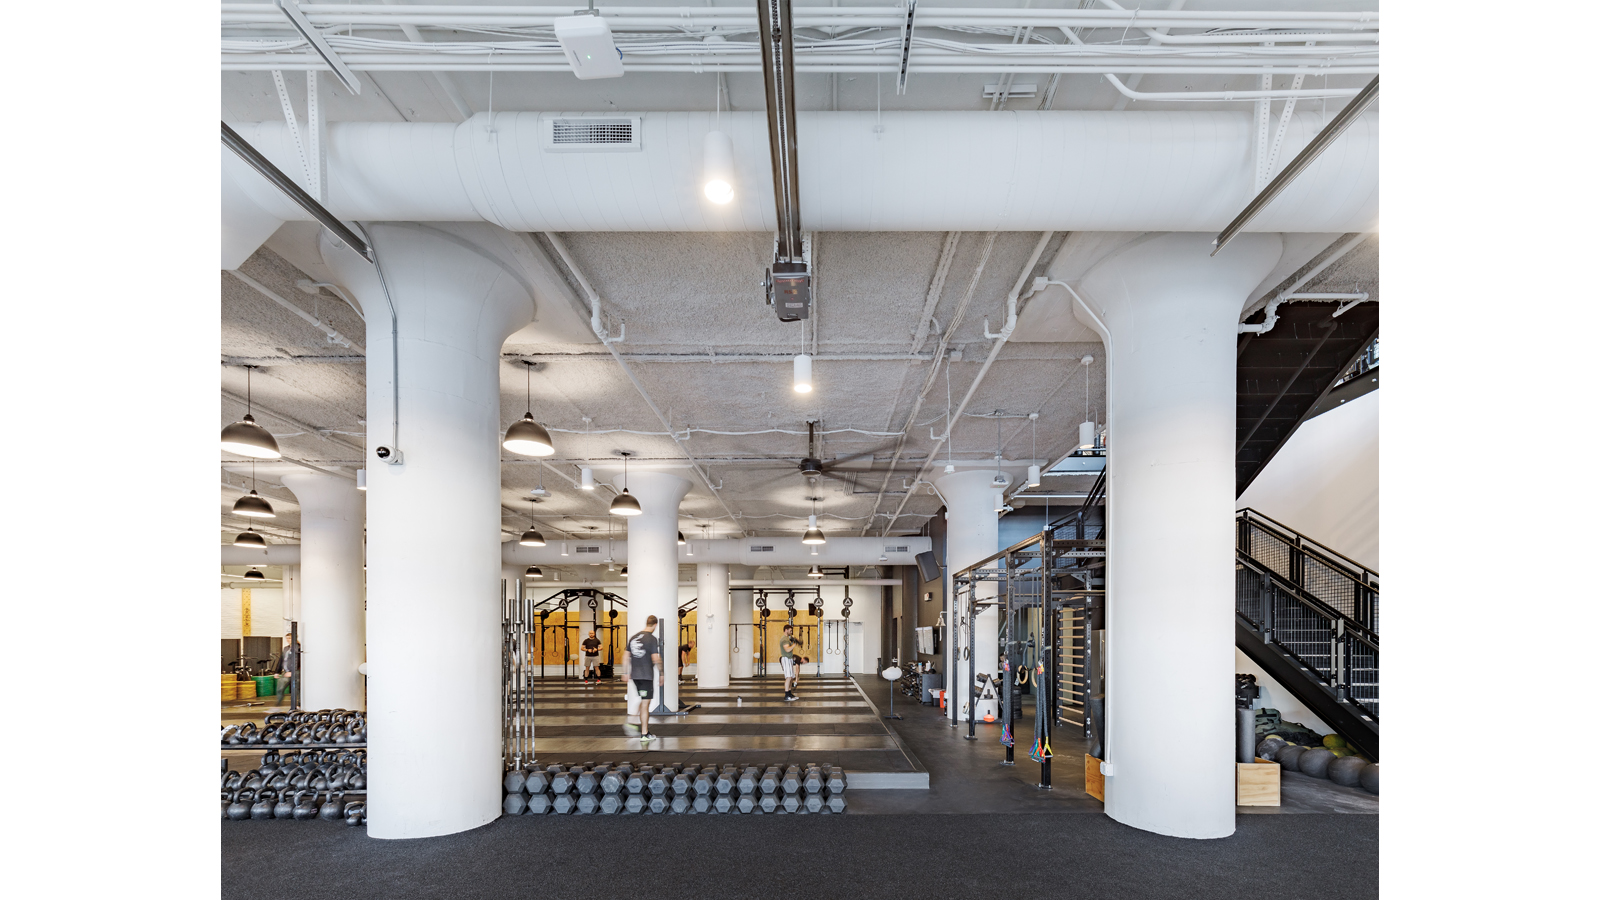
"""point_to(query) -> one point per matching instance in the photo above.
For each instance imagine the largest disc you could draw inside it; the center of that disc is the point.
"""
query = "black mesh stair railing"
(1309, 616)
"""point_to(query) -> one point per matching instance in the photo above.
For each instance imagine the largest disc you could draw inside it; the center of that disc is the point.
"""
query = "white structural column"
(711, 625)
(973, 533)
(1168, 313)
(332, 590)
(653, 568)
(741, 630)
(433, 539)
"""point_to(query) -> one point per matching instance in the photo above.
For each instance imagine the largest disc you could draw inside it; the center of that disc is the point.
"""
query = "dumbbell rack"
(610, 789)
(262, 748)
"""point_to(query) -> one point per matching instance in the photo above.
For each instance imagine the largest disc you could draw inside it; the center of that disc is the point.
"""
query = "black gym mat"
(801, 857)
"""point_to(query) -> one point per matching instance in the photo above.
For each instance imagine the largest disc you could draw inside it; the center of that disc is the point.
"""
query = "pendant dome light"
(249, 538)
(624, 571)
(681, 541)
(814, 573)
(531, 537)
(245, 437)
(814, 534)
(624, 503)
(253, 505)
(534, 572)
(526, 436)
(254, 575)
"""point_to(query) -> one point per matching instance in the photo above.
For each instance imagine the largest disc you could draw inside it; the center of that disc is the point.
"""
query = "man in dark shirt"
(684, 650)
(591, 659)
(644, 669)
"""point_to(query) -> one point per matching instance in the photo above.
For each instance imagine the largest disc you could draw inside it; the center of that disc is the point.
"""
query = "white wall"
(266, 612)
(1324, 482)
(1276, 696)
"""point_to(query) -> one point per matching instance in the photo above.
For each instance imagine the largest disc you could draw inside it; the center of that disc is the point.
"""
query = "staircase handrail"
(1352, 627)
(1329, 556)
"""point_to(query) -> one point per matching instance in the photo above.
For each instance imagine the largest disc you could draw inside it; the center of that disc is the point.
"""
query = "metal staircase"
(1309, 617)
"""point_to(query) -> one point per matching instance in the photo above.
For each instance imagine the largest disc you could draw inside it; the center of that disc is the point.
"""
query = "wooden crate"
(1257, 783)
(1093, 781)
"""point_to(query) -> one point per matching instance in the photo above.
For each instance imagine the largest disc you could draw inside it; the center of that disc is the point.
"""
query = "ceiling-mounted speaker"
(928, 567)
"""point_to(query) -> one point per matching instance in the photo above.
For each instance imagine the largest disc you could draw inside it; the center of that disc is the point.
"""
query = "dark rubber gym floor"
(802, 857)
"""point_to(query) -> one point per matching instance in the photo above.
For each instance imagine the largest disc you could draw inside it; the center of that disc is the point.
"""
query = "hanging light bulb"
(249, 538)
(717, 177)
(254, 575)
(533, 572)
(253, 505)
(814, 573)
(624, 503)
(245, 437)
(802, 374)
(531, 537)
(526, 436)
(587, 482)
(681, 541)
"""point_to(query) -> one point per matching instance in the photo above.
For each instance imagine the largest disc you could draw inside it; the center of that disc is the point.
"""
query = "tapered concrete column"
(711, 625)
(1168, 313)
(973, 534)
(332, 590)
(433, 538)
(653, 568)
(741, 619)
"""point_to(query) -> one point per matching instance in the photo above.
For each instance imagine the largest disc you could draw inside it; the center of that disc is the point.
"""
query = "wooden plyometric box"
(1093, 781)
(1257, 783)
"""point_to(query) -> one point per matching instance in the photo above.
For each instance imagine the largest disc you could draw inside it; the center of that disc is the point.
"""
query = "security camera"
(392, 457)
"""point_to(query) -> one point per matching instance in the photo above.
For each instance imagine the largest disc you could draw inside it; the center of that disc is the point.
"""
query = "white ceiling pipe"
(786, 551)
(1140, 171)
(274, 555)
(536, 585)
(1289, 293)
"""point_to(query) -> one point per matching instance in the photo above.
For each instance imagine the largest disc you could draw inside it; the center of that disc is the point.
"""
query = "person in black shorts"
(684, 650)
(591, 659)
(644, 669)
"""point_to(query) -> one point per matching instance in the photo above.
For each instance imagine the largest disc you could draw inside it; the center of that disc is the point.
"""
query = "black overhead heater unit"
(788, 282)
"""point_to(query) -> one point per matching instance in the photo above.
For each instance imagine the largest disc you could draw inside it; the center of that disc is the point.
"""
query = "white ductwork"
(916, 171)
(273, 555)
(750, 551)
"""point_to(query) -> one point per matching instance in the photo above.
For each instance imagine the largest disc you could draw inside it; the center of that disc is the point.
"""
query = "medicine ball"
(1289, 755)
(1314, 762)
(1369, 778)
(1346, 770)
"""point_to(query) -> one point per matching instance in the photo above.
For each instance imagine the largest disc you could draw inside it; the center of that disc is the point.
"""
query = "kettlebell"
(224, 806)
(357, 780)
(333, 810)
(270, 763)
(233, 782)
(285, 807)
(299, 780)
(262, 808)
(319, 735)
(239, 809)
(253, 780)
(339, 734)
(277, 718)
(339, 779)
(305, 808)
(355, 813)
(279, 781)
(318, 781)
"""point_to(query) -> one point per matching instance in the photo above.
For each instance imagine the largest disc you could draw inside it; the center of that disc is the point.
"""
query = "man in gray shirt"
(644, 669)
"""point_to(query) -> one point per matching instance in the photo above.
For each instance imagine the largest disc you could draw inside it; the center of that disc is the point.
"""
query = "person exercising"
(790, 661)
(591, 659)
(645, 670)
(684, 649)
(286, 667)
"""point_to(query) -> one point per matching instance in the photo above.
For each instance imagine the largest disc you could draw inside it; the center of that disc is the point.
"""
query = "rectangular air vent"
(591, 134)
(897, 549)
(588, 549)
(762, 549)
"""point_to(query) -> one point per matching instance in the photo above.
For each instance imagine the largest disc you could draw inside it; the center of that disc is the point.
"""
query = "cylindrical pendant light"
(254, 575)
(624, 503)
(802, 374)
(1086, 436)
(245, 437)
(717, 177)
(361, 479)
(1033, 476)
(526, 436)
(587, 482)
(249, 538)
(534, 572)
(814, 573)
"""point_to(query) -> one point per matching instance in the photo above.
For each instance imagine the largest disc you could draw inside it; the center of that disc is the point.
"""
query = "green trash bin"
(266, 685)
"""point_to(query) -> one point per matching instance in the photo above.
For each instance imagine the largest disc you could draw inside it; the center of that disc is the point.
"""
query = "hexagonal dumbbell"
(537, 782)
(680, 804)
(539, 804)
(791, 780)
(747, 780)
(836, 803)
(634, 804)
(588, 803)
(561, 782)
(682, 781)
(746, 804)
(515, 804)
(769, 803)
(701, 804)
(791, 802)
(813, 803)
(612, 782)
(513, 781)
(638, 780)
(703, 784)
(611, 804)
(660, 782)
(564, 804)
(725, 781)
(723, 803)
(769, 781)
(657, 805)
(836, 780)
(814, 781)
(588, 782)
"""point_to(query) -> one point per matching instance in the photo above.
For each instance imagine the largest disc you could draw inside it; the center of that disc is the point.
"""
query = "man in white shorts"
(790, 662)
